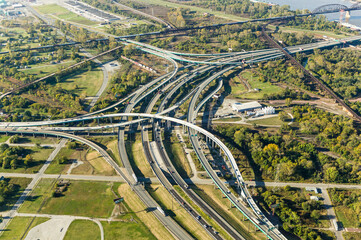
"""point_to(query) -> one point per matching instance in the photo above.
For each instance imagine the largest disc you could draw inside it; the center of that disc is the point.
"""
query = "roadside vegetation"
(10, 191)
(347, 206)
(22, 159)
(83, 230)
(20, 226)
(81, 198)
(300, 216)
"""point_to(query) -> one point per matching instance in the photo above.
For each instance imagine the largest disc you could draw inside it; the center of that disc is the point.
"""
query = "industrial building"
(243, 107)
(90, 12)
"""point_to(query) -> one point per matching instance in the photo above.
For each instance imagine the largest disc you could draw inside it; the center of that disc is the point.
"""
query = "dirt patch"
(99, 164)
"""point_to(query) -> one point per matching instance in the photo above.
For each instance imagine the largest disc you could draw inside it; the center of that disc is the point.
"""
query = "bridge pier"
(348, 14)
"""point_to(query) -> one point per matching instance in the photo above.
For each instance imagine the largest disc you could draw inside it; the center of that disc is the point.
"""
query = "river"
(355, 18)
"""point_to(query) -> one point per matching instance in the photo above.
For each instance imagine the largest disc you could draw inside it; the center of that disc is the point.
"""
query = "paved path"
(31, 145)
(198, 181)
(62, 220)
(107, 69)
(10, 214)
(53, 229)
(330, 213)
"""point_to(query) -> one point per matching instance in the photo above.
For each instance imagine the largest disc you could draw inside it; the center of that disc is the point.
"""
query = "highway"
(158, 86)
(257, 218)
(270, 232)
(154, 161)
(168, 222)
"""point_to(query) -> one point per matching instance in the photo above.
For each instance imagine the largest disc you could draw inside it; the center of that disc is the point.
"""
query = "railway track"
(311, 76)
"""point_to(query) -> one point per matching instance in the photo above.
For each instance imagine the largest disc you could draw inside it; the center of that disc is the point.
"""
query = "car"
(199, 217)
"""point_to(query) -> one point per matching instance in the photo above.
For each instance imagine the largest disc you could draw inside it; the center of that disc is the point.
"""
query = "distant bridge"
(330, 8)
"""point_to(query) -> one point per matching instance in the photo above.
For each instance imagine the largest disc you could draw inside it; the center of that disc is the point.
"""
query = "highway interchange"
(164, 88)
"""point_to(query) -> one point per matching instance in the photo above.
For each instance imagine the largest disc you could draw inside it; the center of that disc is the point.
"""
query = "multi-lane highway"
(169, 84)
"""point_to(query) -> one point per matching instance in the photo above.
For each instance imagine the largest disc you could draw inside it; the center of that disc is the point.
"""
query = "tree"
(332, 174)
(28, 160)
(283, 116)
(288, 101)
(63, 160)
(315, 214)
(306, 206)
(271, 149)
(15, 139)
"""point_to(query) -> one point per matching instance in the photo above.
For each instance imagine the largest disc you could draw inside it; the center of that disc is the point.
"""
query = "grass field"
(177, 155)
(346, 216)
(94, 164)
(4, 138)
(140, 210)
(87, 83)
(41, 70)
(128, 230)
(83, 198)
(17, 227)
(55, 167)
(237, 87)
(64, 14)
(351, 236)
(20, 185)
(267, 121)
(113, 151)
(39, 155)
(83, 230)
(166, 201)
(38, 140)
(264, 87)
(137, 158)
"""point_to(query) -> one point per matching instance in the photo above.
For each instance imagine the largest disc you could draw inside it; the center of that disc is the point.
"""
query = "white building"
(315, 198)
(313, 189)
(266, 111)
(243, 107)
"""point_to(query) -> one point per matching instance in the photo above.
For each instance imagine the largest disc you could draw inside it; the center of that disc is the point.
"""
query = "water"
(355, 18)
